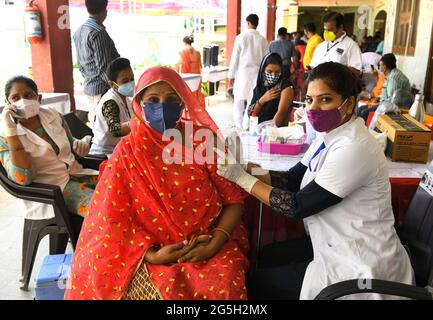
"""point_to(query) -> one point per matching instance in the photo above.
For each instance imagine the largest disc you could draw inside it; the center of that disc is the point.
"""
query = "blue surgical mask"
(162, 116)
(126, 89)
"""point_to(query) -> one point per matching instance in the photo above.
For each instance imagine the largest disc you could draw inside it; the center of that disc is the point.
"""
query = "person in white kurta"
(248, 51)
(341, 190)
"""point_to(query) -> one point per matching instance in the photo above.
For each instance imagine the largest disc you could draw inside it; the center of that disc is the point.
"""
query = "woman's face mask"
(162, 106)
(325, 120)
(162, 116)
(271, 79)
(27, 108)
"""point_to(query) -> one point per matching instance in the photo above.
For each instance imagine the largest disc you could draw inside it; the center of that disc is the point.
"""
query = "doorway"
(380, 23)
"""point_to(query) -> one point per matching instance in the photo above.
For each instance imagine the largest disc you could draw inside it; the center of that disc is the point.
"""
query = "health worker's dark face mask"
(162, 116)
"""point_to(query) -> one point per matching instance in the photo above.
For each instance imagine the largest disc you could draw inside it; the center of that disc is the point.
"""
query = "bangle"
(223, 231)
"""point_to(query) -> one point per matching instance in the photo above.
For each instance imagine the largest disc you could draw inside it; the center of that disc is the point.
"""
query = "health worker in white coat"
(340, 189)
(248, 51)
(37, 146)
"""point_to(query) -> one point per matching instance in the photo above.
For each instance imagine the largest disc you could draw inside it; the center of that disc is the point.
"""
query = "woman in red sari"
(190, 62)
(157, 230)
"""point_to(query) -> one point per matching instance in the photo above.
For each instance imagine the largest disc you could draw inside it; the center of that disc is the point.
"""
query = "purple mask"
(325, 120)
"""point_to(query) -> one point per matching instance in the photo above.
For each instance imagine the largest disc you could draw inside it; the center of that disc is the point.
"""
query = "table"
(266, 227)
(192, 80)
(57, 101)
(214, 74)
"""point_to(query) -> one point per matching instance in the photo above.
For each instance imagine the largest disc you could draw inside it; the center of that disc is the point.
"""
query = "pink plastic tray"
(278, 148)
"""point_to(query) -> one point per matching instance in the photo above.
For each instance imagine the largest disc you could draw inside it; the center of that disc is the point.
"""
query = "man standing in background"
(248, 51)
(286, 50)
(338, 46)
(313, 41)
(95, 51)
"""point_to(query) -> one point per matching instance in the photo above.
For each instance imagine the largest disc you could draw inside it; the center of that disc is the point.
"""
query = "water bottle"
(254, 124)
(417, 110)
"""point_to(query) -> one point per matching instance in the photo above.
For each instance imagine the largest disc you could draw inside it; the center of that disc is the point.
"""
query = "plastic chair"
(63, 226)
(416, 234)
(78, 129)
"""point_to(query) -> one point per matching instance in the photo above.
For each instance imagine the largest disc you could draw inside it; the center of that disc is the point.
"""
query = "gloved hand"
(8, 123)
(234, 145)
(81, 148)
(230, 169)
(299, 114)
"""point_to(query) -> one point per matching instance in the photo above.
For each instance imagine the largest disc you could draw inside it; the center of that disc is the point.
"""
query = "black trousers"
(280, 271)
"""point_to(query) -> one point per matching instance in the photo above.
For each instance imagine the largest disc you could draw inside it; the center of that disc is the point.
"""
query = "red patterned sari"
(140, 201)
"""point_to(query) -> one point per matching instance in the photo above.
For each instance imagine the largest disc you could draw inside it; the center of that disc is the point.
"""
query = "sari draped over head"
(270, 108)
(140, 201)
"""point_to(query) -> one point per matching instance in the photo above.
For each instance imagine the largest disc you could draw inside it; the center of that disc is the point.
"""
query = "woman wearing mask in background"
(342, 192)
(190, 62)
(273, 94)
(36, 146)
(114, 109)
(158, 230)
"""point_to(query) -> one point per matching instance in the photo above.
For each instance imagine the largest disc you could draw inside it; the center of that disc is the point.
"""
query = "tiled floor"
(11, 223)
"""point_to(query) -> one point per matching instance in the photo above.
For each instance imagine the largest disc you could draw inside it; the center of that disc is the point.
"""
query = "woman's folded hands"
(197, 249)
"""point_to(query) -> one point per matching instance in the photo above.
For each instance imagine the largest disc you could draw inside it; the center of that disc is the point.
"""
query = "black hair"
(188, 40)
(299, 41)
(282, 32)
(334, 16)
(116, 66)
(310, 27)
(272, 58)
(96, 6)
(339, 78)
(253, 19)
(19, 79)
(389, 60)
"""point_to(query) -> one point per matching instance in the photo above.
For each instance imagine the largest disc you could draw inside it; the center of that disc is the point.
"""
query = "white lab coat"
(49, 167)
(248, 51)
(355, 238)
(103, 141)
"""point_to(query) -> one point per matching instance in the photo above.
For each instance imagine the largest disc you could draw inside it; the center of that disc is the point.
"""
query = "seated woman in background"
(157, 230)
(273, 95)
(37, 146)
(114, 109)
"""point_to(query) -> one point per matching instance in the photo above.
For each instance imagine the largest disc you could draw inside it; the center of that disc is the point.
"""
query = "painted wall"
(415, 67)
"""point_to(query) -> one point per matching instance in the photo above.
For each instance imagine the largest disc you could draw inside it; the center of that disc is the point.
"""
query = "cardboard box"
(408, 139)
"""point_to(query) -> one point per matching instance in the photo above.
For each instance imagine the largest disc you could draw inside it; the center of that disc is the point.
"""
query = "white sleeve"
(355, 57)
(346, 169)
(234, 61)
